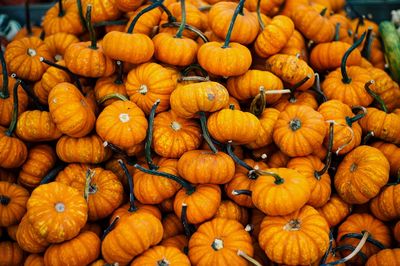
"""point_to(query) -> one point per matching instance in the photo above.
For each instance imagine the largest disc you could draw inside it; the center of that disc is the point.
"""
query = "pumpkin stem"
(60, 8)
(163, 262)
(89, 26)
(248, 258)
(317, 89)
(52, 174)
(120, 71)
(351, 120)
(42, 35)
(171, 17)
(375, 96)
(28, 18)
(329, 248)
(252, 172)
(366, 51)
(328, 159)
(30, 94)
(4, 200)
(231, 106)
(343, 68)
(175, 24)
(323, 12)
(359, 23)
(69, 72)
(14, 119)
(370, 239)
(110, 23)
(143, 11)
(293, 89)
(262, 26)
(239, 9)
(149, 140)
(237, 192)
(80, 11)
(337, 32)
(295, 124)
(257, 106)
(4, 94)
(188, 229)
(368, 136)
(191, 68)
(278, 180)
(110, 227)
(217, 244)
(113, 96)
(179, 33)
(89, 176)
(206, 134)
(132, 206)
(187, 186)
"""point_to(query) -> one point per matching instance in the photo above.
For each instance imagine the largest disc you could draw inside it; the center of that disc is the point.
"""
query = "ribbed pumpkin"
(172, 226)
(28, 239)
(58, 43)
(267, 120)
(230, 210)
(180, 242)
(392, 153)
(63, 17)
(34, 260)
(296, 45)
(106, 86)
(385, 257)
(7, 104)
(50, 79)
(13, 200)
(386, 206)
(160, 255)
(11, 254)
(335, 210)
(386, 88)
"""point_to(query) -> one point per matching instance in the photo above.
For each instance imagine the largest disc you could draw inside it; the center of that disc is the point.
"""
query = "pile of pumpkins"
(199, 132)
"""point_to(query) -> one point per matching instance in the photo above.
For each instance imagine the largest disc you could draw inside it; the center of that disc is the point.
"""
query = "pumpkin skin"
(291, 70)
(386, 205)
(172, 226)
(13, 151)
(109, 85)
(173, 135)
(335, 210)
(59, 42)
(180, 242)
(11, 254)
(122, 123)
(70, 110)
(88, 149)
(296, 45)
(22, 58)
(102, 10)
(344, 29)
(28, 239)
(385, 257)
(266, 7)
(41, 159)
(126, 6)
(34, 260)
(231, 237)
(206, 167)
(50, 79)
(57, 212)
(207, 96)
(201, 204)
(230, 210)
(123, 211)
(364, 165)
(267, 120)
(121, 244)
(300, 98)
(13, 210)
(357, 223)
(68, 22)
(306, 226)
(246, 25)
(274, 36)
(299, 122)
(37, 126)
(148, 83)
(392, 153)
(160, 254)
(386, 88)
(6, 105)
(288, 196)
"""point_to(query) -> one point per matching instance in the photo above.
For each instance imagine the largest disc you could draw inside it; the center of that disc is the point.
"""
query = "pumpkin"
(396, 232)
(127, 210)
(58, 43)
(385, 87)
(266, 7)
(50, 79)
(267, 120)
(304, 226)
(28, 239)
(11, 254)
(335, 210)
(161, 254)
(172, 226)
(34, 260)
(12, 231)
(13, 200)
(344, 31)
(13, 151)
(56, 212)
(226, 238)
(126, 6)
(102, 10)
(386, 205)
(63, 17)
(230, 210)
(392, 153)
(306, 98)
(41, 159)
(361, 24)
(70, 110)
(385, 257)
(180, 242)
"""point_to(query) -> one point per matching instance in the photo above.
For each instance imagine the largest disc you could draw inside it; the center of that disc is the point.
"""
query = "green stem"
(238, 192)
(92, 33)
(368, 136)
(337, 32)
(60, 8)
(14, 119)
(113, 96)
(175, 24)
(361, 254)
(370, 239)
(366, 51)
(63, 68)
(292, 97)
(343, 68)
(28, 18)
(259, 16)
(252, 172)
(328, 159)
(187, 186)
(359, 23)
(238, 10)
(323, 11)
(110, 227)
(149, 140)
(52, 174)
(257, 106)
(89, 176)
(132, 206)
(278, 180)
(186, 226)
(329, 250)
(4, 200)
(42, 35)
(183, 22)
(80, 11)
(351, 120)
(4, 93)
(110, 23)
(194, 67)
(171, 17)
(206, 134)
(375, 96)
(145, 10)
(317, 89)
(120, 72)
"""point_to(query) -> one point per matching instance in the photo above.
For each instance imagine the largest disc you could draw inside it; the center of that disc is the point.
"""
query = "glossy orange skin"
(267, 121)
(246, 25)
(266, 7)
(81, 250)
(159, 254)
(122, 123)
(274, 37)
(12, 212)
(102, 10)
(335, 210)
(34, 260)
(149, 82)
(201, 205)
(386, 88)
(52, 225)
(230, 210)
(69, 22)
(291, 70)
(123, 211)
(180, 242)
(41, 159)
(152, 189)
(344, 27)
(357, 223)
(172, 226)
(312, 25)
(28, 239)
(207, 96)
(385, 257)
(121, 244)
(296, 45)
(59, 42)
(147, 21)
(13, 152)
(233, 236)
(206, 167)
(301, 98)
(392, 153)
(36, 126)
(237, 58)
(386, 205)
(108, 85)
(6, 105)
(364, 165)
(136, 48)
(351, 94)
(173, 135)
(312, 130)
(11, 254)
(70, 110)
(345, 137)
(247, 86)
(385, 126)
(50, 79)
(291, 5)
(313, 233)
(22, 58)
(127, 5)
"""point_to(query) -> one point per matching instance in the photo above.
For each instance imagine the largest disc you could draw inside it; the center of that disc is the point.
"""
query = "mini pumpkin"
(62, 17)
(385, 257)
(58, 43)
(28, 239)
(13, 200)
(34, 260)
(162, 254)
(296, 45)
(392, 153)
(387, 89)
(267, 120)
(386, 205)
(335, 210)
(11, 254)
(230, 210)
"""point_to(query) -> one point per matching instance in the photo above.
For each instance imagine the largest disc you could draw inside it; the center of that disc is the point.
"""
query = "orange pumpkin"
(385, 257)
(63, 17)
(160, 255)
(386, 205)
(180, 242)
(387, 89)
(28, 239)
(392, 153)
(34, 260)
(335, 210)
(230, 210)
(296, 45)
(58, 43)
(102, 10)
(13, 200)
(11, 254)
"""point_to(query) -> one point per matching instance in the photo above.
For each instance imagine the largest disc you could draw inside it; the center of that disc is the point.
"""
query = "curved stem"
(293, 89)
(4, 93)
(187, 27)
(73, 75)
(368, 136)
(113, 96)
(206, 134)
(120, 72)
(110, 23)
(14, 119)
(337, 32)
(323, 11)
(278, 180)
(248, 258)
(194, 67)
(369, 239)
(239, 9)
(317, 89)
(89, 176)
(186, 226)
(4, 200)
(132, 206)
(52, 174)
(80, 12)
(179, 33)
(60, 8)
(343, 68)
(92, 33)
(328, 160)
(28, 18)
(187, 186)
(110, 227)
(360, 22)
(147, 145)
(262, 26)
(329, 248)
(30, 94)
(351, 120)
(238, 192)
(171, 17)
(375, 96)
(366, 51)
(145, 10)
(195, 78)
(252, 172)
(257, 106)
